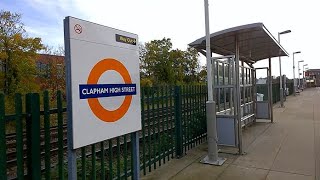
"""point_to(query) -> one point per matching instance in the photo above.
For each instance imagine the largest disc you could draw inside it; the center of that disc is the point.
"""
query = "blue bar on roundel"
(87, 91)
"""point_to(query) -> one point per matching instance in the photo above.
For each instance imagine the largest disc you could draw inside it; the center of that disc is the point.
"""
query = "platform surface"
(288, 149)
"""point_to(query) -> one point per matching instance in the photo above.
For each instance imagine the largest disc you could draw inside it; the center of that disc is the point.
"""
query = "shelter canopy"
(254, 40)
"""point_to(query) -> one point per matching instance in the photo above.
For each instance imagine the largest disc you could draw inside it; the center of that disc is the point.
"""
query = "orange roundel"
(95, 106)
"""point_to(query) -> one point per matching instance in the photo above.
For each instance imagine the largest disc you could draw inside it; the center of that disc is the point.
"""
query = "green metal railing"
(33, 140)
(263, 89)
(34, 144)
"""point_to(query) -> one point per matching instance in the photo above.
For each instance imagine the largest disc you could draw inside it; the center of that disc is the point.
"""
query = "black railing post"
(33, 136)
(178, 121)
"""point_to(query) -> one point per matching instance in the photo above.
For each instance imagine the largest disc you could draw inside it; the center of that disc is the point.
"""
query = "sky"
(181, 20)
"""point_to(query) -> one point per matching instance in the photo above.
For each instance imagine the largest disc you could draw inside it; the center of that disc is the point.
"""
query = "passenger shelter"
(234, 77)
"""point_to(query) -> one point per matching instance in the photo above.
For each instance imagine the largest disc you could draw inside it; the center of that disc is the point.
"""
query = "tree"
(156, 61)
(17, 55)
(162, 65)
(203, 74)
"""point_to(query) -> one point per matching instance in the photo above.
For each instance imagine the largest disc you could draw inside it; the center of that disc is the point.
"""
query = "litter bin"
(260, 97)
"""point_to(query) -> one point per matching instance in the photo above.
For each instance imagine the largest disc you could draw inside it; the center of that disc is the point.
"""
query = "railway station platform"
(288, 149)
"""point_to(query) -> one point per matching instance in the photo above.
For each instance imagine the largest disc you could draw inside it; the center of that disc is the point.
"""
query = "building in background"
(312, 77)
(51, 72)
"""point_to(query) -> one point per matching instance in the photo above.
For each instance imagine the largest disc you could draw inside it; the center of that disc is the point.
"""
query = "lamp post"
(303, 76)
(294, 76)
(281, 88)
(299, 83)
(212, 157)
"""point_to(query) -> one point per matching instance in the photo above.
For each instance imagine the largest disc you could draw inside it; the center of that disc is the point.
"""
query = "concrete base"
(218, 162)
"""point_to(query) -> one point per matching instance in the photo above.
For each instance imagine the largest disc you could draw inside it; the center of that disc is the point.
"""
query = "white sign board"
(103, 82)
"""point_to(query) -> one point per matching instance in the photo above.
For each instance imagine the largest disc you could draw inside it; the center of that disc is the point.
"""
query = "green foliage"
(17, 55)
(161, 64)
(146, 82)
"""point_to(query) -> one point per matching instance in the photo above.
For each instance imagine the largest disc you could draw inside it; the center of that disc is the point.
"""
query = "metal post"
(281, 89)
(208, 52)
(212, 157)
(178, 121)
(135, 154)
(254, 93)
(294, 77)
(299, 85)
(270, 91)
(33, 136)
(72, 156)
(238, 96)
(303, 77)
(243, 90)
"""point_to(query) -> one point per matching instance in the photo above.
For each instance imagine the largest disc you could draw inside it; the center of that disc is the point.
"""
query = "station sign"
(103, 82)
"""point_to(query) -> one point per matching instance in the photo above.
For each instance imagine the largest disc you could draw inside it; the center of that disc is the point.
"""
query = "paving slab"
(197, 169)
(297, 151)
(262, 152)
(174, 166)
(234, 172)
(274, 175)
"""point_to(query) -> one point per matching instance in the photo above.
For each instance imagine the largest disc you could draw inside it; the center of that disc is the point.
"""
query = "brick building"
(51, 72)
(312, 77)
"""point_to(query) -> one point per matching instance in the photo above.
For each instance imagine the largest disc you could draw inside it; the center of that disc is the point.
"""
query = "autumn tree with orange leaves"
(17, 56)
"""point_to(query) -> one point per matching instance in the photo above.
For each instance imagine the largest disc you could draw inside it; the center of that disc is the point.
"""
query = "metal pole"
(135, 153)
(270, 91)
(72, 156)
(281, 89)
(238, 96)
(208, 52)
(303, 77)
(294, 78)
(212, 157)
(299, 75)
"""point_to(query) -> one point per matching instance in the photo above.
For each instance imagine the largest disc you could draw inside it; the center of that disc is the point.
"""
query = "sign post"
(103, 86)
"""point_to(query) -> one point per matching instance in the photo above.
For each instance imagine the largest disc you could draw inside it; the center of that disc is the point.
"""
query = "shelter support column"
(238, 96)
(270, 91)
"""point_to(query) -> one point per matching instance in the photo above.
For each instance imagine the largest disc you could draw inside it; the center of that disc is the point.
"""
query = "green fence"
(263, 89)
(33, 140)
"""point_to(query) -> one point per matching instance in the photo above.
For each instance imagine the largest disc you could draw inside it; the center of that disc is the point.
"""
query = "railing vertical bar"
(143, 130)
(159, 123)
(19, 138)
(173, 126)
(154, 129)
(102, 158)
(149, 127)
(198, 112)
(3, 147)
(93, 162)
(189, 98)
(125, 156)
(164, 146)
(83, 163)
(193, 123)
(194, 137)
(118, 157)
(184, 117)
(60, 135)
(167, 118)
(110, 158)
(46, 108)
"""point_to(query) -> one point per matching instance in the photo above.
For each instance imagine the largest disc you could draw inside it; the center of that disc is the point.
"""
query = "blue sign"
(88, 91)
